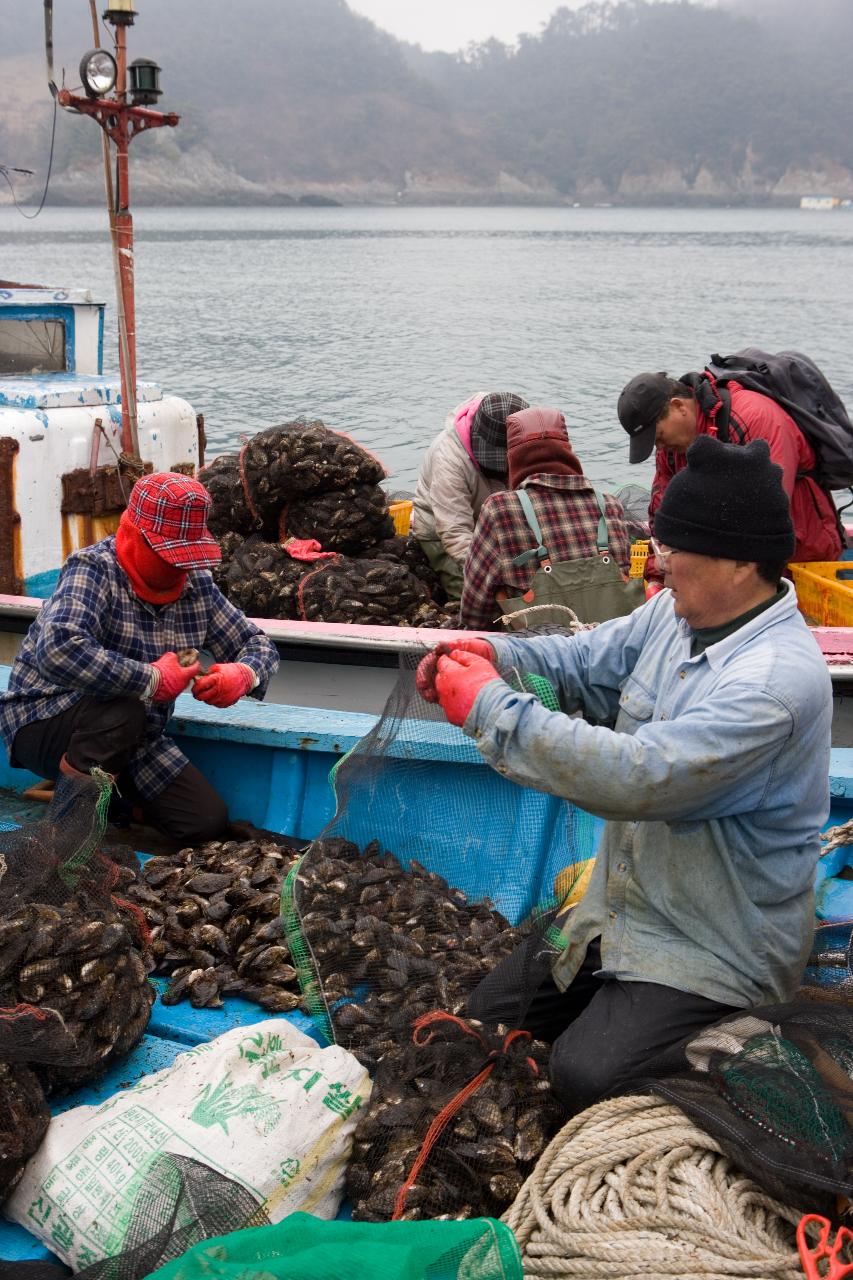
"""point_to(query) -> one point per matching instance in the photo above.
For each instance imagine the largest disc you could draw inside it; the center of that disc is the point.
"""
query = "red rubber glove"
(224, 684)
(173, 677)
(460, 678)
(428, 666)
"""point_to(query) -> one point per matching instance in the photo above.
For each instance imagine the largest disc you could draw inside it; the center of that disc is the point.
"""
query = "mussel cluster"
(84, 970)
(341, 519)
(229, 512)
(24, 1117)
(304, 481)
(215, 923)
(302, 457)
(377, 592)
(390, 945)
(490, 1144)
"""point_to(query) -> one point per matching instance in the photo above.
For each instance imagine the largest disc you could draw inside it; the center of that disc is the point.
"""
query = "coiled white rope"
(631, 1188)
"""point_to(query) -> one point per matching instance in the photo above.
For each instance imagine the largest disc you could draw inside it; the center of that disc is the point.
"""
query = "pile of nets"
(74, 960)
(774, 1087)
(633, 1187)
(304, 483)
(215, 925)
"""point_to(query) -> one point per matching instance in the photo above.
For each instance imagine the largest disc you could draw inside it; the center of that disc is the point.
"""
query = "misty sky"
(452, 24)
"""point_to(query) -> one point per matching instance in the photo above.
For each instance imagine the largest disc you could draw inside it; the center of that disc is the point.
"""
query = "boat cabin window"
(31, 345)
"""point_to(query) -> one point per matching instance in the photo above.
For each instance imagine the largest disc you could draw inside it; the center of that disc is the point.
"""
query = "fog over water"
(378, 320)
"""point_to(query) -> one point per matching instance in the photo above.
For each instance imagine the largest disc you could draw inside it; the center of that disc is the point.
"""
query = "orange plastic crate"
(825, 591)
(639, 555)
(401, 514)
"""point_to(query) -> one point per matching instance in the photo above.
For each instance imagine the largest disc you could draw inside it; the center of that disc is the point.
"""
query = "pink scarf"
(463, 418)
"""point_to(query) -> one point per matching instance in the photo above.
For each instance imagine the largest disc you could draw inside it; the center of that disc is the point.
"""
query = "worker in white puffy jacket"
(461, 468)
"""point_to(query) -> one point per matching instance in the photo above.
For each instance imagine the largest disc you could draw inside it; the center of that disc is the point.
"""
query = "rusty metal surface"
(11, 576)
(103, 492)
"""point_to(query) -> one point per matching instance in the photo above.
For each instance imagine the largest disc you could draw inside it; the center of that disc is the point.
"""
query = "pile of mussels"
(215, 923)
(390, 944)
(24, 1117)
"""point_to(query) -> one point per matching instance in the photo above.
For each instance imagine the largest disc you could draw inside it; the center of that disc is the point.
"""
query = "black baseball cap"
(640, 405)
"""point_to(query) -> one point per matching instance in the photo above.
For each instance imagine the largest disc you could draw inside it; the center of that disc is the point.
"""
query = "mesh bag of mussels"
(341, 520)
(229, 510)
(302, 457)
(377, 592)
(432, 872)
(261, 579)
(74, 994)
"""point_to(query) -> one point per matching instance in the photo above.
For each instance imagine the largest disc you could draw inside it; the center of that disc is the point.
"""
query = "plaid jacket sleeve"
(478, 608)
(617, 532)
(231, 637)
(70, 652)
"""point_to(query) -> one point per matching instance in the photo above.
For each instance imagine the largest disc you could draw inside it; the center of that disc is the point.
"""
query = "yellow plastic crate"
(639, 555)
(825, 599)
(401, 514)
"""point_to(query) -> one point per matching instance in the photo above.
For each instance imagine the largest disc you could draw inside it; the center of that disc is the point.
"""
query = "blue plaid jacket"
(95, 636)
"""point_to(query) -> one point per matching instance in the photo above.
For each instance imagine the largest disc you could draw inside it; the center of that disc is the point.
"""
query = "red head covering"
(152, 578)
(537, 441)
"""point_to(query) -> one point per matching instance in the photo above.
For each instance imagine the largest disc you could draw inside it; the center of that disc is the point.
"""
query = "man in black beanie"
(704, 743)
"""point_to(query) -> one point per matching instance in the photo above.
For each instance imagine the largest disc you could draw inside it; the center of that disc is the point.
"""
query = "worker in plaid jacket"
(97, 676)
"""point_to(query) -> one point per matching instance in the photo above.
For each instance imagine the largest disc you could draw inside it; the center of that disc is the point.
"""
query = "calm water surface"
(379, 320)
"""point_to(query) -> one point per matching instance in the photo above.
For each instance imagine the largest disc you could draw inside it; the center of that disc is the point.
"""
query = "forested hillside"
(303, 99)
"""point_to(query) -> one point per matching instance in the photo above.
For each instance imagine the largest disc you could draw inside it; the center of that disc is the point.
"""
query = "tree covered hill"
(622, 100)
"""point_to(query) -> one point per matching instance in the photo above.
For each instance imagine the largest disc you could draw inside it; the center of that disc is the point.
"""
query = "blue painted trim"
(100, 340)
(41, 585)
(63, 313)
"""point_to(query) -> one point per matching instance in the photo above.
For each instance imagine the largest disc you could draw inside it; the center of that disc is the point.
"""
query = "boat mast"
(121, 120)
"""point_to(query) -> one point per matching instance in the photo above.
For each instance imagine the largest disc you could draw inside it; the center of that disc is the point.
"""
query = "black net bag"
(179, 1202)
(774, 1087)
(434, 871)
(229, 511)
(406, 550)
(214, 920)
(74, 994)
(263, 580)
(457, 1118)
(371, 592)
(24, 1117)
(346, 520)
(301, 457)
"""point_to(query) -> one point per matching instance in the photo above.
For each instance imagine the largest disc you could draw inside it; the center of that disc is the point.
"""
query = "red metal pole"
(124, 238)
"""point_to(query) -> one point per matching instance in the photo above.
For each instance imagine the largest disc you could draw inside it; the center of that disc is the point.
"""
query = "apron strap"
(539, 552)
(601, 538)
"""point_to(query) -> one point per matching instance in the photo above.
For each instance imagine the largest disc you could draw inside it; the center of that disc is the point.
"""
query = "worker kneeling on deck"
(705, 745)
(98, 673)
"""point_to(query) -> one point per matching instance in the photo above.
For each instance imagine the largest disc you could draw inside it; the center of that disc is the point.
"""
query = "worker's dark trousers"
(604, 1033)
(107, 734)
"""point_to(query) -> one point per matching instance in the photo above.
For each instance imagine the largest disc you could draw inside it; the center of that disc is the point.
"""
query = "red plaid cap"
(170, 510)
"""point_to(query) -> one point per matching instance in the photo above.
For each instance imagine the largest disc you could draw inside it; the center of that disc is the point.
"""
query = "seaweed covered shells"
(302, 457)
(82, 973)
(24, 1117)
(341, 519)
(215, 922)
(492, 1138)
(373, 592)
(389, 944)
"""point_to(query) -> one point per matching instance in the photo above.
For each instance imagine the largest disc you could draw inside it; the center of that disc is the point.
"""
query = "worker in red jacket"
(668, 414)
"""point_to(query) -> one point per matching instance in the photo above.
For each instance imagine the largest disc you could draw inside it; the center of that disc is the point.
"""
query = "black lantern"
(120, 13)
(144, 77)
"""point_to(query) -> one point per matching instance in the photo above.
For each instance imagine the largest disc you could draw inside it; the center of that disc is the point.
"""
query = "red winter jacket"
(760, 418)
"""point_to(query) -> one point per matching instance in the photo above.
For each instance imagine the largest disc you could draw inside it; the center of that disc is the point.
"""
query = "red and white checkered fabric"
(170, 511)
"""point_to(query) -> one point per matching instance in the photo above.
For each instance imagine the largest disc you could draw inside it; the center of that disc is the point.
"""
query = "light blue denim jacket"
(714, 779)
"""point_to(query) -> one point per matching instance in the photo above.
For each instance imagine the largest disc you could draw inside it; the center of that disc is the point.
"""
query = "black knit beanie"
(727, 502)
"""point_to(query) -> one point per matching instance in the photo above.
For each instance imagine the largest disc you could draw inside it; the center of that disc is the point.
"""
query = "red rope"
(302, 581)
(139, 916)
(450, 1109)
(244, 480)
(16, 1011)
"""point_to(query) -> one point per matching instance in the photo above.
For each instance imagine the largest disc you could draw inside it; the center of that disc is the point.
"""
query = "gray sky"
(452, 24)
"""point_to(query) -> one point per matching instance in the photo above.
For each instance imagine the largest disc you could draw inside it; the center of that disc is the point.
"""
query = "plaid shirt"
(568, 514)
(95, 636)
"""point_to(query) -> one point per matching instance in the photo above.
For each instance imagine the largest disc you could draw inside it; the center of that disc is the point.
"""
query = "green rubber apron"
(593, 587)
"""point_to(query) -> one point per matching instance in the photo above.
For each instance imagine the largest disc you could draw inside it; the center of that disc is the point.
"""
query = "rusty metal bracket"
(11, 582)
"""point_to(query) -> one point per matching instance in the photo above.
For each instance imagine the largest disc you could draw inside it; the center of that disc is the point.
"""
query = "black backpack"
(794, 382)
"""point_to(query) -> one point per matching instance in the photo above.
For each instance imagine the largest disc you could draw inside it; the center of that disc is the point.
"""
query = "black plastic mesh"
(302, 457)
(24, 1117)
(432, 872)
(774, 1086)
(346, 520)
